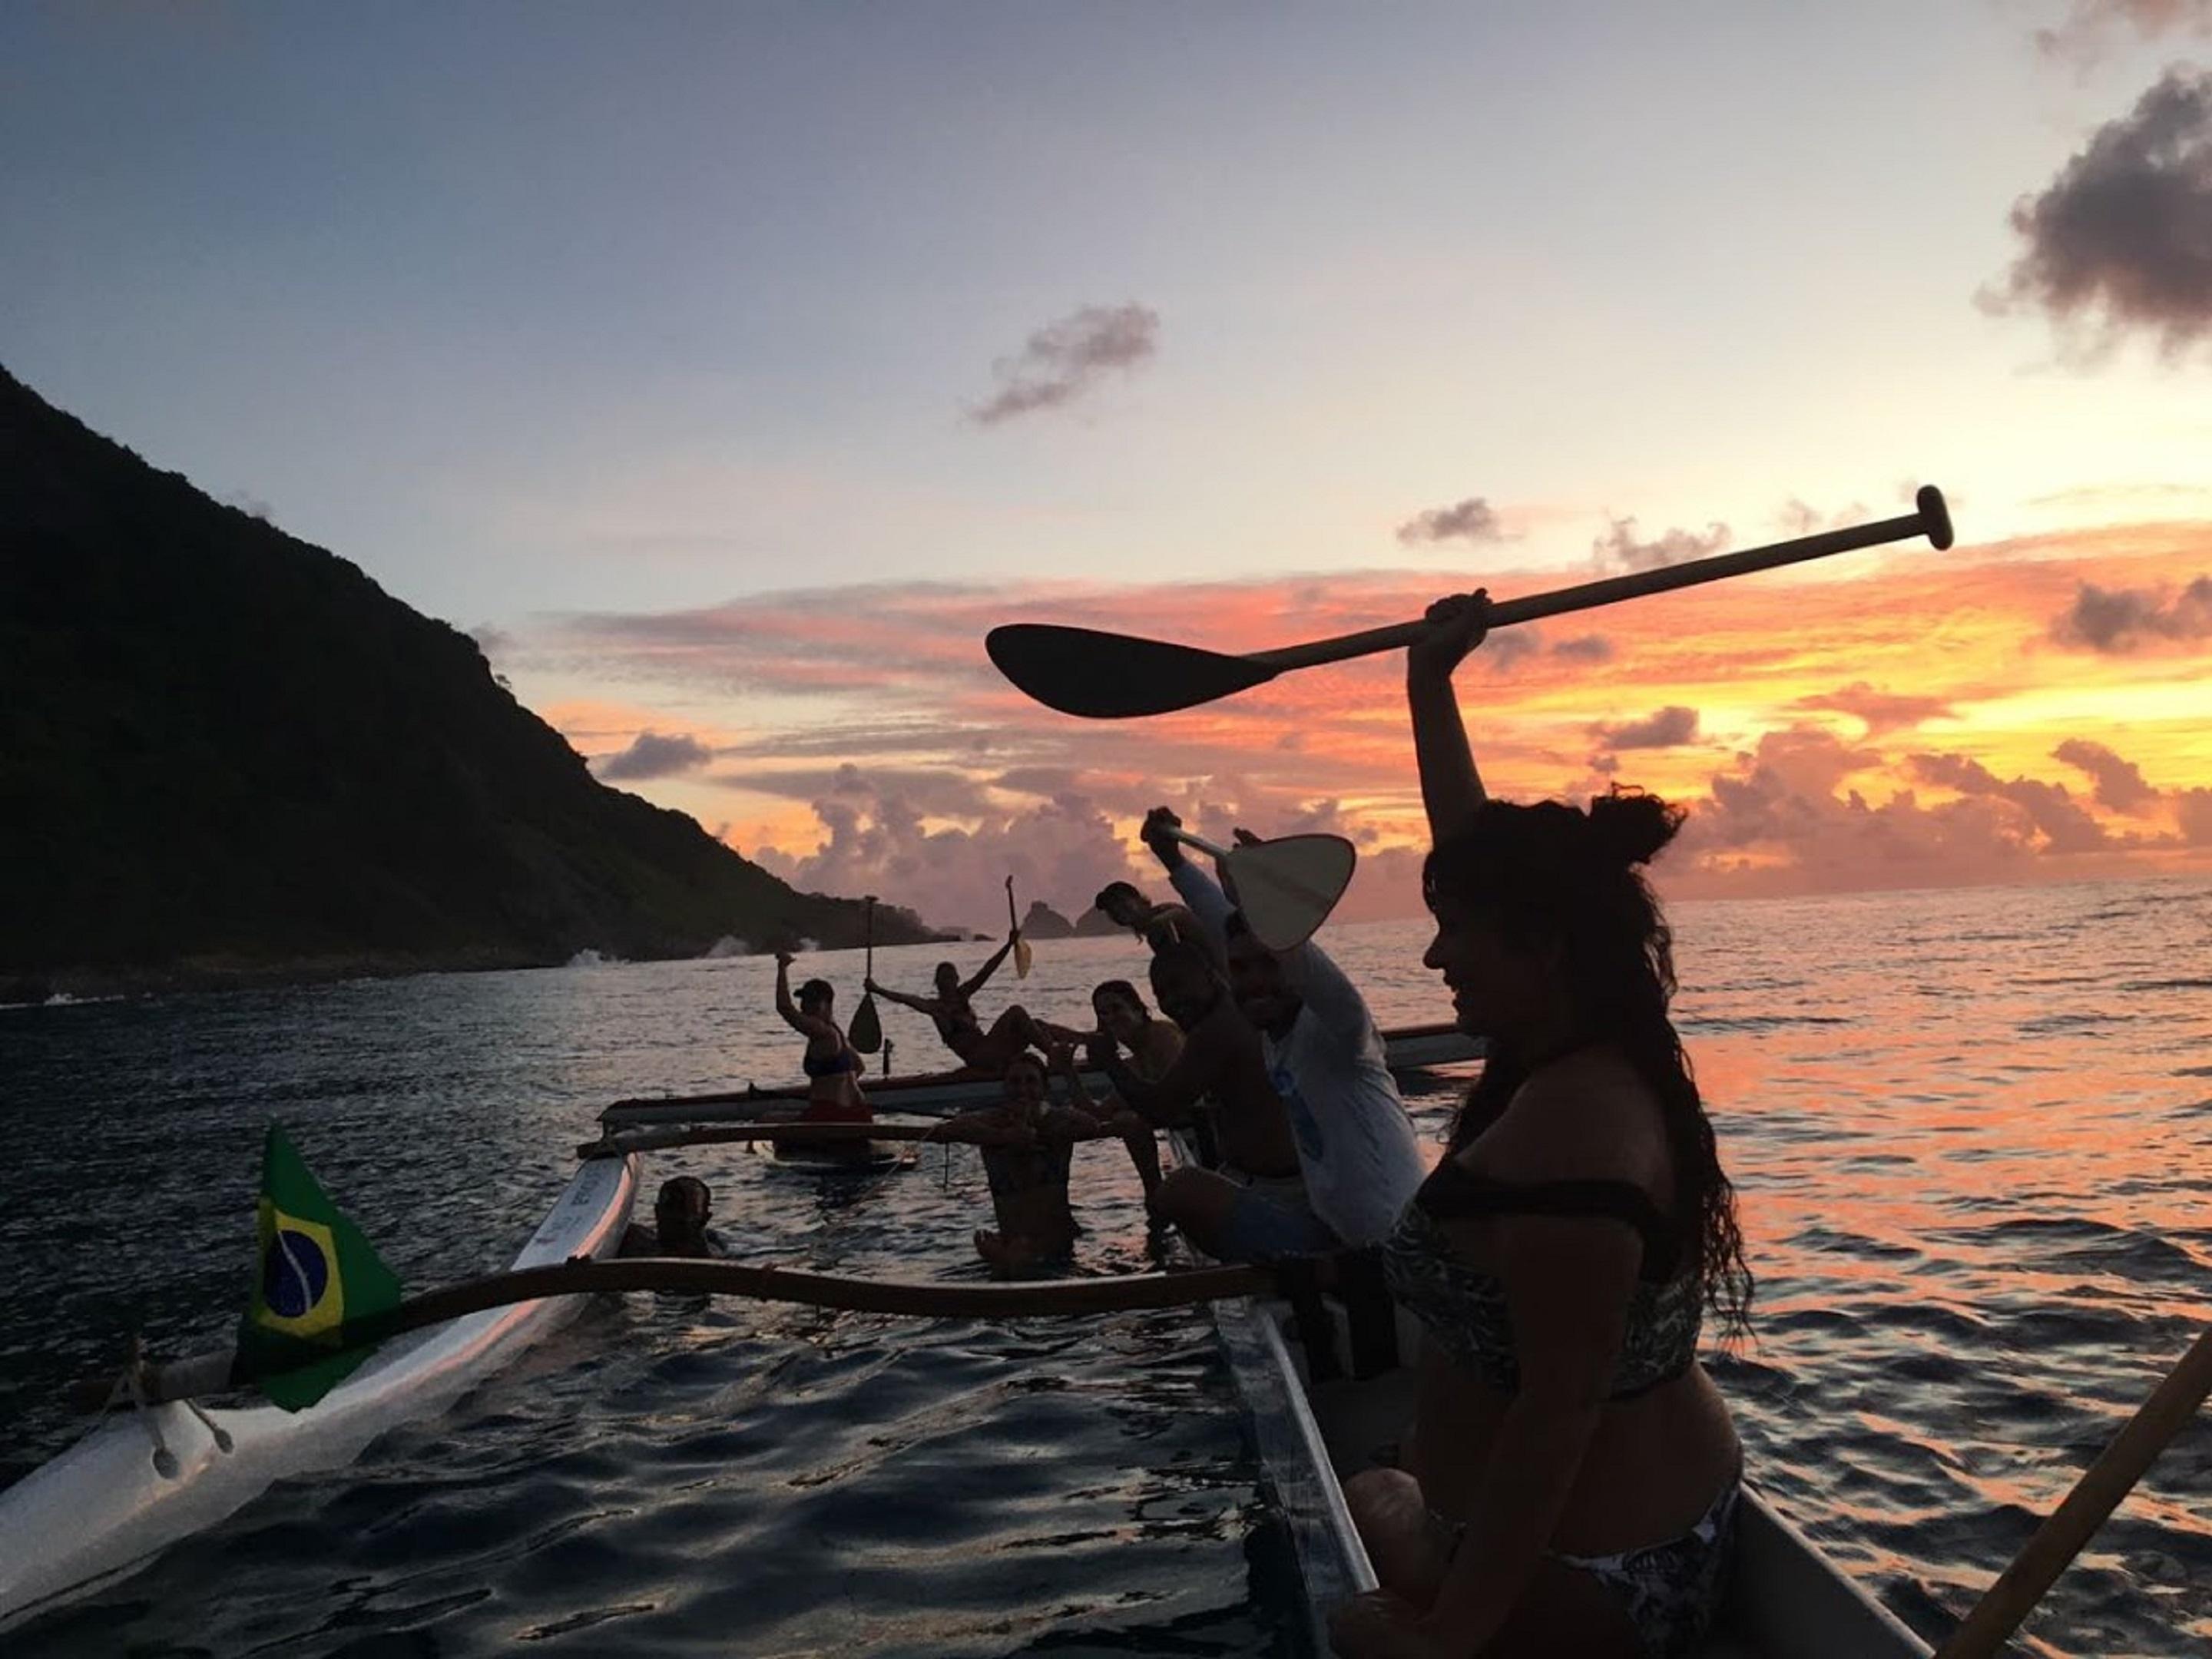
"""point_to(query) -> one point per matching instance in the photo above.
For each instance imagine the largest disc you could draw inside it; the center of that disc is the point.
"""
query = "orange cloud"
(1882, 719)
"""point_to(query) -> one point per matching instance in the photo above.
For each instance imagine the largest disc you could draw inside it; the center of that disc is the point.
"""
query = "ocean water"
(1970, 1131)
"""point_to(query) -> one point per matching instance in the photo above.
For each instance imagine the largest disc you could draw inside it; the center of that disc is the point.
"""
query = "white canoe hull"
(102, 1508)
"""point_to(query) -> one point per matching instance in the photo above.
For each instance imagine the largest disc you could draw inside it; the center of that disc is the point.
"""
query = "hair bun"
(1629, 827)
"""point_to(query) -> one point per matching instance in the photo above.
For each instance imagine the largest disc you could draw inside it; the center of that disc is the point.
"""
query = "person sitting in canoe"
(1153, 1045)
(1254, 1206)
(831, 1064)
(679, 1222)
(1356, 1148)
(1571, 1482)
(1027, 1148)
(1160, 925)
(986, 1053)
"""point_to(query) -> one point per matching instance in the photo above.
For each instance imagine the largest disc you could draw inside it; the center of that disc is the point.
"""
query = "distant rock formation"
(1095, 923)
(1045, 922)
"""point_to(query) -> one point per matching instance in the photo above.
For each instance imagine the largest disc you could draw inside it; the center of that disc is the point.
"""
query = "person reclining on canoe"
(982, 1052)
(1253, 1208)
(830, 1062)
(1356, 1146)
(1027, 1147)
(1571, 1483)
(1160, 925)
(1153, 1046)
(679, 1222)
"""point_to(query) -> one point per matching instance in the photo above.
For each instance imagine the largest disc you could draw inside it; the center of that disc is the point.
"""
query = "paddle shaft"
(2094, 1497)
(696, 1277)
(1931, 520)
(655, 1141)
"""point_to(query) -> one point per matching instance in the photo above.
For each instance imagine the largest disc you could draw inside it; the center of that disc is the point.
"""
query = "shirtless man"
(984, 1053)
(1253, 1208)
(1153, 1045)
(1160, 925)
(1026, 1147)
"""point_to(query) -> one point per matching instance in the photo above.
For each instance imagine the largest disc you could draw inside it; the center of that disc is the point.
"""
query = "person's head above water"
(679, 1216)
(1121, 903)
(1024, 1083)
(1546, 931)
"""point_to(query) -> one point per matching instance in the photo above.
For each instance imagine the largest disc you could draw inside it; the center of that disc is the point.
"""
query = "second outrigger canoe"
(1410, 1049)
(144, 1480)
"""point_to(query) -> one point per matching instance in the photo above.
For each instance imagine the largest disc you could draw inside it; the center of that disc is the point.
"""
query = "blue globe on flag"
(295, 1273)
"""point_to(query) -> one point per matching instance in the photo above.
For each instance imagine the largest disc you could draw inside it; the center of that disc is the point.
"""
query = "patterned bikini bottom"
(1670, 1591)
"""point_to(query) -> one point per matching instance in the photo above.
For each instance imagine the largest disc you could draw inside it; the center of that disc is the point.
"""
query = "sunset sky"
(729, 369)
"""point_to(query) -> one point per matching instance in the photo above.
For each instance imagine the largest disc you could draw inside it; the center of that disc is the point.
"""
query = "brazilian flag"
(313, 1272)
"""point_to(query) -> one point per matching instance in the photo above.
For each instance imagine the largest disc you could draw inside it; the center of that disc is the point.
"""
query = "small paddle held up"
(1014, 929)
(1285, 888)
(1101, 675)
(867, 1033)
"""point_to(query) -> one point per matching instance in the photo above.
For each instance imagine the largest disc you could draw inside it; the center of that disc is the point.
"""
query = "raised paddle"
(1014, 926)
(867, 1033)
(1101, 675)
(1284, 888)
(2095, 1496)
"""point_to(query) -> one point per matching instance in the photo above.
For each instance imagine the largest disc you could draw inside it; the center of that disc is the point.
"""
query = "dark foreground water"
(1971, 1130)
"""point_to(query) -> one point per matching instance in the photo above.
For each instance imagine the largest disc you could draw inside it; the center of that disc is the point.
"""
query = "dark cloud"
(2120, 620)
(1585, 648)
(2193, 807)
(1470, 520)
(1619, 550)
(1063, 359)
(2063, 823)
(2121, 239)
(1512, 645)
(2080, 39)
(1667, 728)
(1882, 711)
(2120, 784)
(652, 755)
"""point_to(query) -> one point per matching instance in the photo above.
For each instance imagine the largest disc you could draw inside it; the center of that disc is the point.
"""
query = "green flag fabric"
(314, 1271)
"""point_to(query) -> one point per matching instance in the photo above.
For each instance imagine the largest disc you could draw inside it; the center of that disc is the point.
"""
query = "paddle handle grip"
(1930, 518)
(1200, 841)
(2096, 1495)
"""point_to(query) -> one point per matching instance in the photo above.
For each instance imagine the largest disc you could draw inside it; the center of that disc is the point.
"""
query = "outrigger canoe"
(1787, 1600)
(1410, 1049)
(146, 1479)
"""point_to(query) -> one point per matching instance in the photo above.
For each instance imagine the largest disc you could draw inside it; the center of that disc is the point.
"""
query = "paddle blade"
(1021, 958)
(867, 1033)
(1287, 888)
(1111, 677)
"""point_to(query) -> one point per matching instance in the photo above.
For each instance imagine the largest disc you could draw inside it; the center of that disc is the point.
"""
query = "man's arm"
(1168, 1101)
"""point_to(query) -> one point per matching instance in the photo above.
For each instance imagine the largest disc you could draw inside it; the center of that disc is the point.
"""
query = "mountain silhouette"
(227, 755)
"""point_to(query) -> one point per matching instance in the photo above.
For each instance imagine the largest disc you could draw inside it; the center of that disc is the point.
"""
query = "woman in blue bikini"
(832, 1068)
(1569, 1485)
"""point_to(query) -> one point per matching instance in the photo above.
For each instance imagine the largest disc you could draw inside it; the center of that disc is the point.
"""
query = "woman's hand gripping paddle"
(867, 1033)
(1014, 926)
(1101, 675)
(1285, 888)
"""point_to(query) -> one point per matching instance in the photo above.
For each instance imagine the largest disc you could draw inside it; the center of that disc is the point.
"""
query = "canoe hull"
(102, 1508)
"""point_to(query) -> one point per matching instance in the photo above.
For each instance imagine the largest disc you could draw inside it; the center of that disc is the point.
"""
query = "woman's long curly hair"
(1553, 874)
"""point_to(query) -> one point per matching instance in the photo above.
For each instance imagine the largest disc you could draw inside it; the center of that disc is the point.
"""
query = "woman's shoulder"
(1588, 1116)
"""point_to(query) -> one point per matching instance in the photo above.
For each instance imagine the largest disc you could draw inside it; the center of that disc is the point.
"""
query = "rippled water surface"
(1970, 1130)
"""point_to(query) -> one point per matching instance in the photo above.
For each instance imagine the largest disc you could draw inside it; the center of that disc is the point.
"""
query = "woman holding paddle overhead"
(983, 1052)
(1571, 1483)
(832, 1068)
